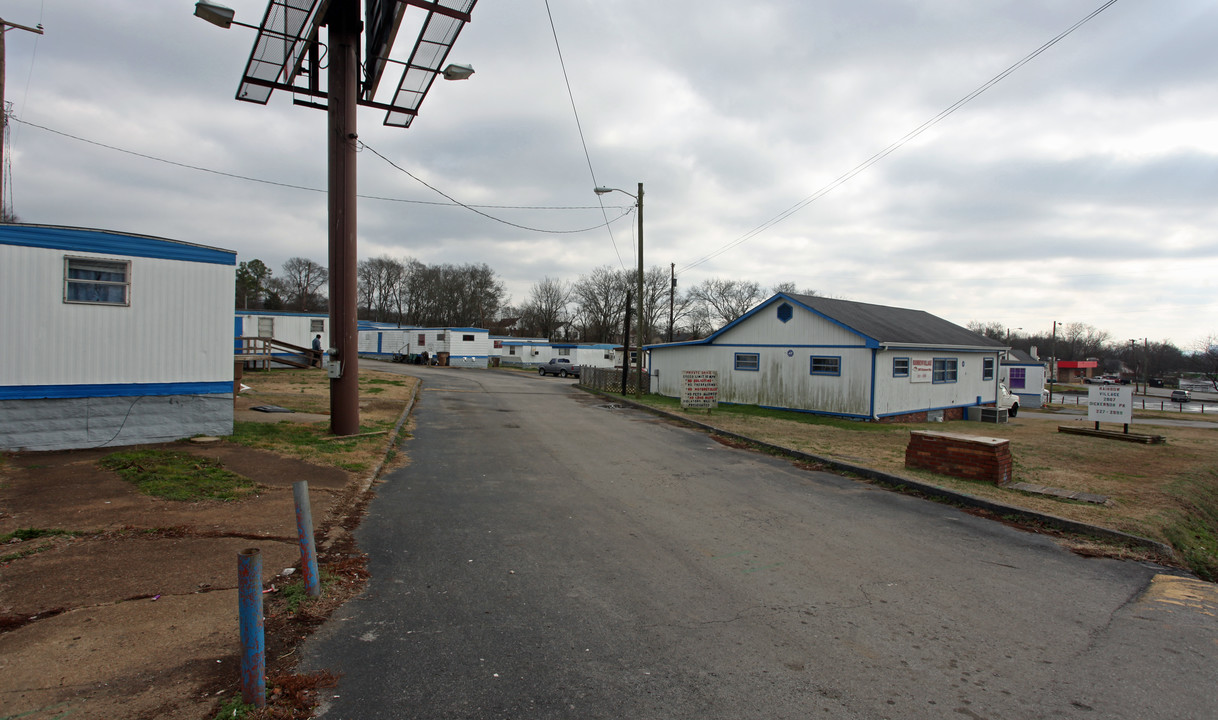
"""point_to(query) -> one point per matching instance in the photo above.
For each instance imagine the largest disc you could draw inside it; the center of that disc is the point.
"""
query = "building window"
(1019, 378)
(511, 350)
(422, 339)
(987, 369)
(96, 282)
(439, 337)
(826, 365)
(266, 327)
(900, 367)
(564, 351)
(317, 326)
(467, 338)
(944, 370)
(498, 344)
(748, 361)
(784, 312)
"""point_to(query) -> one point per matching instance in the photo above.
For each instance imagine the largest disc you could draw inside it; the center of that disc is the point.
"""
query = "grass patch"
(234, 709)
(34, 533)
(180, 476)
(383, 397)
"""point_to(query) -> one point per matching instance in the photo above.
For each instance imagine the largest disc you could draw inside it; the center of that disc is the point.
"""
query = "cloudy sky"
(1083, 187)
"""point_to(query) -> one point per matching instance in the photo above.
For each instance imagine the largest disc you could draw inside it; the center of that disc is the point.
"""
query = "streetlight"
(638, 388)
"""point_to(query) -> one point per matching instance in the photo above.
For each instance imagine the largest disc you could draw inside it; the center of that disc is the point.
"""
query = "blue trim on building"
(37, 392)
(875, 354)
(108, 242)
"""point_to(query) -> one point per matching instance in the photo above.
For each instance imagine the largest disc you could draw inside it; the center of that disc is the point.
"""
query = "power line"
(305, 188)
(842, 179)
(578, 126)
(471, 208)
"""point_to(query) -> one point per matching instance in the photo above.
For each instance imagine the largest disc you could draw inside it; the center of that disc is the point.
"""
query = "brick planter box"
(966, 456)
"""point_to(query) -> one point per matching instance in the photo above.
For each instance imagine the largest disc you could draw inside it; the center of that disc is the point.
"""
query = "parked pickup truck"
(1008, 400)
(561, 367)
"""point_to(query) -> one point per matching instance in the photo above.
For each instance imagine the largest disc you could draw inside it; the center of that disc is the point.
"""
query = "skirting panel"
(66, 424)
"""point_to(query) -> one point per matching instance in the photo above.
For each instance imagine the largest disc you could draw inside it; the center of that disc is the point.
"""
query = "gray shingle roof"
(886, 324)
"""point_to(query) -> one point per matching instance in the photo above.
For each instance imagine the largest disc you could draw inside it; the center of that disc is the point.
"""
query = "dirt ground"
(136, 614)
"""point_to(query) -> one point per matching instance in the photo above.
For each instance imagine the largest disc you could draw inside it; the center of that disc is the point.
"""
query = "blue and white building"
(1024, 375)
(842, 358)
(112, 338)
(466, 347)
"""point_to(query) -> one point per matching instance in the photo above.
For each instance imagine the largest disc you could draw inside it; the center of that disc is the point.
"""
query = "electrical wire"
(298, 187)
(579, 126)
(842, 179)
(365, 146)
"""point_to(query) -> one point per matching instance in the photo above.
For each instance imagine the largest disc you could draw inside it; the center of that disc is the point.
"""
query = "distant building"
(112, 338)
(1024, 376)
(842, 358)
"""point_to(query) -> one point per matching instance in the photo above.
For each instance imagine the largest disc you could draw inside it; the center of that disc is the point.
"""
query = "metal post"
(626, 345)
(4, 26)
(672, 295)
(638, 389)
(304, 530)
(344, 35)
(253, 648)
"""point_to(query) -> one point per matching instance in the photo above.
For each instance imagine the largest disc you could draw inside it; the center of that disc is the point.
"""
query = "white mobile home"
(461, 347)
(112, 338)
(1024, 376)
(293, 328)
(836, 357)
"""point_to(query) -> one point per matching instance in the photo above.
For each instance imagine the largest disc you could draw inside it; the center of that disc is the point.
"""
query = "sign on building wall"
(920, 371)
(1110, 403)
(700, 389)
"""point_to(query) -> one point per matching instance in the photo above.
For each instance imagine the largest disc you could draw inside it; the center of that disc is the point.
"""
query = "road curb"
(366, 483)
(899, 483)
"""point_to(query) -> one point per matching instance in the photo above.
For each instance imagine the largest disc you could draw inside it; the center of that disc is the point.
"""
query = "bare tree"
(1079, 341)
(303, 279)
(788, 288)
(600, 298)
(379, 278)
(545, 312)
(991, 330)
(727, 300)
(1205, 357)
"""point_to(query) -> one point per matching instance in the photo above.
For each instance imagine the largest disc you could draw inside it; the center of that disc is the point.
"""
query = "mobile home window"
(422, 339)
(498, 344)
(564, 351)
(987, 369)
(97, 282)
(944, 370)
(439, 337)
(467, 338)
(826, 365)
(1019, 378)
(748, 361)
(317, 326)
(511, 350)
(266, 327)
(900, 367)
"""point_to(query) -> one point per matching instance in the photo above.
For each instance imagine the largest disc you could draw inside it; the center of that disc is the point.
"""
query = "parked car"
(1008, 400)
(1181, 396)
(561, 367)
(1156, 382)
(1097, 381)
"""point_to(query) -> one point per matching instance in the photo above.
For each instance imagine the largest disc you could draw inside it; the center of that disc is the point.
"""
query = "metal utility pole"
(343, 81)
(4, 27)
(638, 389)
(672, 295)
(626, 346)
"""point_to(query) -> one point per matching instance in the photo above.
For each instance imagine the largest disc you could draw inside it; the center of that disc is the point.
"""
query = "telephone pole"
(4, 28)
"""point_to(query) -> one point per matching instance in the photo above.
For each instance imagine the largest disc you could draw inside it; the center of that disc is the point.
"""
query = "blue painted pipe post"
(253, 647)
(304, 529)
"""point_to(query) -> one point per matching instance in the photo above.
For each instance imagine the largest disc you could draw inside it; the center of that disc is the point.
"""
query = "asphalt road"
(545, 556)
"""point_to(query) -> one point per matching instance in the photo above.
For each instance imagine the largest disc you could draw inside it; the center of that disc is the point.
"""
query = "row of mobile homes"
(457, 347)
(112, 338)
(531, 352)
(837, 357)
